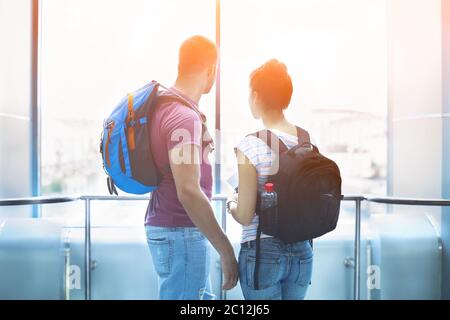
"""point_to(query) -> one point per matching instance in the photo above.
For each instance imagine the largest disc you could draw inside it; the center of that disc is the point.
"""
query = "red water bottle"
(269, 210)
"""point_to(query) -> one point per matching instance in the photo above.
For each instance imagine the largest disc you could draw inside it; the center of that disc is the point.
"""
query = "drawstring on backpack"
(130, 123)
(108, 141)
(257, 258)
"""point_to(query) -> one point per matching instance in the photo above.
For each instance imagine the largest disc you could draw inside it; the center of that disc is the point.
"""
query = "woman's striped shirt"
(266, 163)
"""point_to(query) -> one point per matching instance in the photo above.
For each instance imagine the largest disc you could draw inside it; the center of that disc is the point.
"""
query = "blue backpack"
(125, 141)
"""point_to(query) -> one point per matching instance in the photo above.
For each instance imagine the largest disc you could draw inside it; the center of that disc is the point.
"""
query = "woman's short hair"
(273, 84)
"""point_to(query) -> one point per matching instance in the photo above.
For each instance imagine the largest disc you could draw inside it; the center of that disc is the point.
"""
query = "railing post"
(224, 228)
(357, 274)
(87, 249)
(35, 135)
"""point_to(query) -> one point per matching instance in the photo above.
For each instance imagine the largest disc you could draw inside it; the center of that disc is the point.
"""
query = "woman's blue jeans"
(285, 270)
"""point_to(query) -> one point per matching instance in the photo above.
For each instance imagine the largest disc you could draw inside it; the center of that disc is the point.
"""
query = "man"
(179, 215)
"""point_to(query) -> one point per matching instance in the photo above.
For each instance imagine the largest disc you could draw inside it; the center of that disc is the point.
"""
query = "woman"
(284, 269)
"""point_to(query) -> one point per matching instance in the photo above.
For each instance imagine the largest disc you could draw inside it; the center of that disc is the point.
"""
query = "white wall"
(415, 97)
(416, 109)
(15, 50)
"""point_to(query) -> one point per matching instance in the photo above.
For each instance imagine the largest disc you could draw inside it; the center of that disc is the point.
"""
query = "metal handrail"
(71, 198)
(87, 230)
(37, 200)
(357, 199)
(408, 201)
(87, 235)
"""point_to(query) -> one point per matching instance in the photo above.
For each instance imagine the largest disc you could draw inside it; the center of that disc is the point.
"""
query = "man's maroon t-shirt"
(174, 125)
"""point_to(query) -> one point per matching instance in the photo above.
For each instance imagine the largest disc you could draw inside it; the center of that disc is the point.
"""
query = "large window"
(336, 53)
(93, 52)
(15, 97)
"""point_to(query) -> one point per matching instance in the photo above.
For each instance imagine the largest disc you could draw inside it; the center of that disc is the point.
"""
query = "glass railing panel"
(404, 253)
(34, 256)
(400, 253)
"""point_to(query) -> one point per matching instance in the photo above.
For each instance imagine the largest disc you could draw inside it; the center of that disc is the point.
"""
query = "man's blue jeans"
(285, 270)
(181, 257)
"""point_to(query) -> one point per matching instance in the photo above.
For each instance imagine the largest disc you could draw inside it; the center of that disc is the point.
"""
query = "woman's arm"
(244, 211)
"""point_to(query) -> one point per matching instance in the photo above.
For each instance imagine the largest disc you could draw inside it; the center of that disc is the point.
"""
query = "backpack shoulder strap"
(175, 97)
(303, 136)
(162, 99)
(271, 139)
(257, 257)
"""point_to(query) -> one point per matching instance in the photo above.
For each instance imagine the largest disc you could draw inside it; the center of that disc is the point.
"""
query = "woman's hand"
(232, 203)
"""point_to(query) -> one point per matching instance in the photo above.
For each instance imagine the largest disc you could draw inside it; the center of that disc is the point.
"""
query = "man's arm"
(184, 163)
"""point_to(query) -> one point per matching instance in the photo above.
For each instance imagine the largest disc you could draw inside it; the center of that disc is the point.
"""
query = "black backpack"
(308, 187)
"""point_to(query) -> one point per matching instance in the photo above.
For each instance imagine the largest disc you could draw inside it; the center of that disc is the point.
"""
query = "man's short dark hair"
(196, 54)
(273, 84)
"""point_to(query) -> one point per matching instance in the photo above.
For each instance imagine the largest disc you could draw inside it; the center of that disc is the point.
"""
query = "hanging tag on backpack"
(111, 187)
